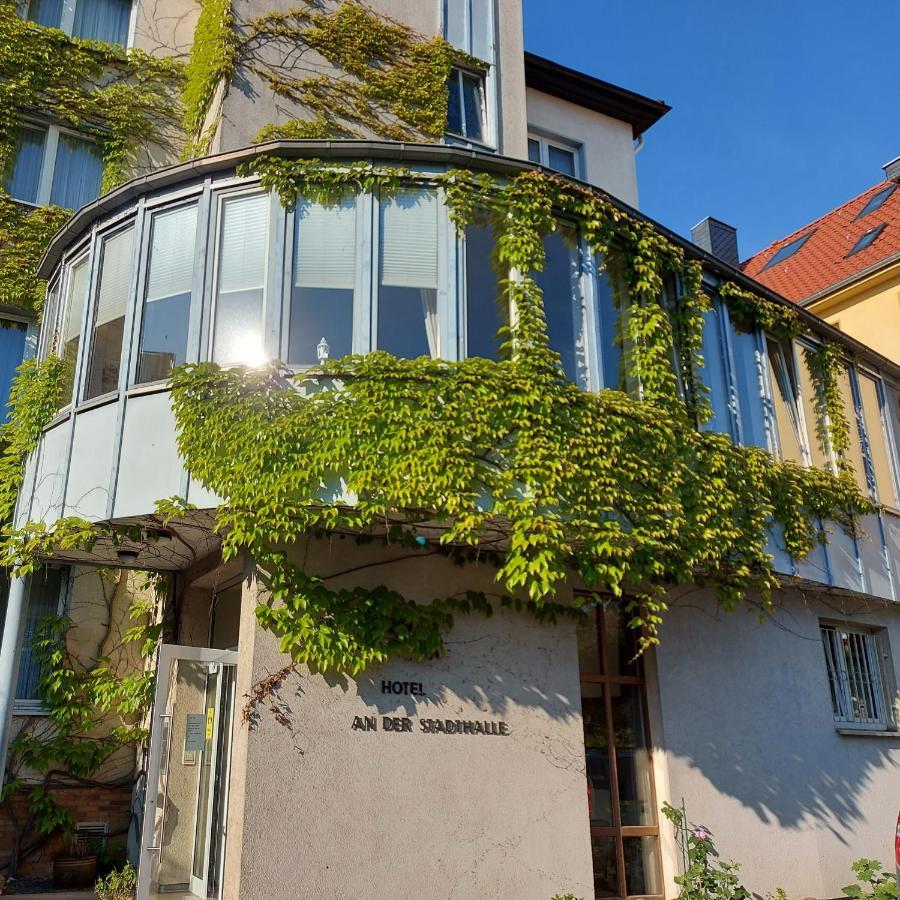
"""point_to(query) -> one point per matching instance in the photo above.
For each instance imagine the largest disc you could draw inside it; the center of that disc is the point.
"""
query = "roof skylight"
(867, 239)
(788, 250)
(875, 201)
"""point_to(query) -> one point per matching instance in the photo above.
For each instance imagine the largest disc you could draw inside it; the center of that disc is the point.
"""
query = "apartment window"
(867, 240)
(12, 349)
(465, 108)
(560, 283)
(559, 156)
(820, 450)
(876, 201)
(240, 292)
(876, 439)
(611, 321)
(73, 313)
(54, 166)
(788, 250)
(324, 282)
(45, 598)
(748, 383)
(167, 295)
(621, 796)
(715, 372)
(469, 26)
(856, 660)
(407, 314)
(486, 301)
(855, 454)
(114, 290)
(95, 20)
(789, 423)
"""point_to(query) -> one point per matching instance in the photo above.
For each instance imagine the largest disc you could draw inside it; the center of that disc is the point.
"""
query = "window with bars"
(621, 795)
(856, 681)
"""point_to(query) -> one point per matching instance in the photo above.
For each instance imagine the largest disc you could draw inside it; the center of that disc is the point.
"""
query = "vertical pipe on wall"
(13, 629)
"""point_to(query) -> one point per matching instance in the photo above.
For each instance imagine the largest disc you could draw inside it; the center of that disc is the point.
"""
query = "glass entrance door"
(183, 838)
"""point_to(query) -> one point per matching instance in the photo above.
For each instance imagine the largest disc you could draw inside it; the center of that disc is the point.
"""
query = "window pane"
(534, 151)
(46, 12)
(455, 104)
(596, 750)
(12, 348)
(472, 104)
(243, 248)
(820, 456)
(455, 16)
(43, 600)
(561, 160)
(784, 400)
(481, 30)
(24, 176)
(558, 281)
(167, 301)
(487, 305)
(76, 295)
(632, 757)
(589, 662)
(102, 20)
(324, 281)
(76, 173)
(747, 377)
(612, 323)
(407, 293)
(642, 865)
(49, 335)
(881, 465)
(621, 643)
(855, 453)
(715, 372)
(109, 314)
(606, 867)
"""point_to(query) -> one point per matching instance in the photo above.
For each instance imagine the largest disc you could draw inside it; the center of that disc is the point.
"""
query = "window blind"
(325, 246)
(77, 172)
(409, 240)
(115, 277)
(172, 254)
(75, 300)
(24, 178)
(242, 247)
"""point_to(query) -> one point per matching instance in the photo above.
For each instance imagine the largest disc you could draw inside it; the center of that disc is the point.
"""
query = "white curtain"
(325, 247)
(115, 277)
(24, 178)
(172, 254)
(409, 254)
(242, 251)
(102, 20)
(76, 173)
(75, 296)
(429, 310)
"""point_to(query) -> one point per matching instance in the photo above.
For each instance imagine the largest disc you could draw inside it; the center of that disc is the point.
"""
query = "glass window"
(323, 283)
(117, 257)
(49, 332)
(788, 250)
(561, 160)
(855, 454)
(867, 239)
(853, 661)
(560, 156)
(102, 20)
(77, 172)
(76, 295)
(465, 109)
(243, 249)
(407, 294)
(46, 12)
(559, 282)
(612, 336)
(12, 349)
(23, 179)
(468, 25)
(785, 401)
(167, 297)
(621, 798)
(715, 371)
(876, 438)
(44, 595)
(747, 376)
(487, 304)
(876, 201)
(534, 151)
(820, 456)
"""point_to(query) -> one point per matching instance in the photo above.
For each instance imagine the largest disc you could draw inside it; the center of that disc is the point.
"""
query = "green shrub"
(120, 884)
(874, 883)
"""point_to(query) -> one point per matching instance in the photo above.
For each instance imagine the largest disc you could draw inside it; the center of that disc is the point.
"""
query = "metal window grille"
(854, 676)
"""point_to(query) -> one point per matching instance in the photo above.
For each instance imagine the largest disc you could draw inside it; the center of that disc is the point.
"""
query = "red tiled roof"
(823, 258)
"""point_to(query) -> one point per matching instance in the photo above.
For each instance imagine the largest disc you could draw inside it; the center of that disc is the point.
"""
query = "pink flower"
(701, 834)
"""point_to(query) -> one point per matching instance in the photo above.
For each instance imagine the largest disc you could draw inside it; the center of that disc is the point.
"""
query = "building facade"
(531, 758)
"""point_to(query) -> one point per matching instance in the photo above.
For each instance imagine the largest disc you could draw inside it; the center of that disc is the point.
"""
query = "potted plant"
(76, 866)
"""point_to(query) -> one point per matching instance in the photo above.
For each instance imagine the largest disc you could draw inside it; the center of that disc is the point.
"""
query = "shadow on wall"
(747, 706)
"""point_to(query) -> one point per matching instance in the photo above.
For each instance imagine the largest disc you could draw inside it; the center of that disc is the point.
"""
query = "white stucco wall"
(750, 743)
(607, 148)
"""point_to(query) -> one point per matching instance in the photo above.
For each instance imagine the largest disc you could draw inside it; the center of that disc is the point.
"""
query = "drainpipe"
(13, 629)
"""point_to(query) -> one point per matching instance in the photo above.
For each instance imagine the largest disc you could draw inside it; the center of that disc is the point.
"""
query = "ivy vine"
(827, 365)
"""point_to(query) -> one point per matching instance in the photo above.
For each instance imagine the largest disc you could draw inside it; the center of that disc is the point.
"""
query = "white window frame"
(865, 427)
(546, 141)
(67, 19)
(789, 347)
(487, 140)
(873, 673)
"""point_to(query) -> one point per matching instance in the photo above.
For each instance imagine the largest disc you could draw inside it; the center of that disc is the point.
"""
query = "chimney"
(717, 238)
(892, 170)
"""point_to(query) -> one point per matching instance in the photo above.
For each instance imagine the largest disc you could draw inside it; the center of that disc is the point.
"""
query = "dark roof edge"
(412, 154)
(584, 90)
(868, 271)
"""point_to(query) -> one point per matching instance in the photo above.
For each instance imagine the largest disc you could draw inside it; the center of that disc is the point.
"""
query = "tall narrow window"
(109, 314)
(855, 454)
(785, 400)
(321, 315)
(44, 597)
(465, 105)
(76, 296)
(23, 178)
(820, 452)
(621, 798)
(49, 334)
(102, 20)
(747, 375)
(876, 439)
(243, 246)
(408, 324)
(612, 333)
(468, 25)
(77, 172)
(559, 282)
(167, 299)
(487, 302)
(46, 12)
(715, 371)
(12, 349)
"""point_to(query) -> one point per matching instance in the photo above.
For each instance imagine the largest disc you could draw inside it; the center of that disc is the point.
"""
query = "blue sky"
(782, 109)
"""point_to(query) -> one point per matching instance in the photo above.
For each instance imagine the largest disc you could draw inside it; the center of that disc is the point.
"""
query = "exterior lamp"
(322, 350)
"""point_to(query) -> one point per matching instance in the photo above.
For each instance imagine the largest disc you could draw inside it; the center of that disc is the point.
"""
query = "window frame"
(84, 252)
(458, 73)
(788, 348)
(878, 660)
(67, 20)
(545, 141)
(617, 830)
(864, 429)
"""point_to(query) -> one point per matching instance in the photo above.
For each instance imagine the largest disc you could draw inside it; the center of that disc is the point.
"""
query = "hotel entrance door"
(186, 806)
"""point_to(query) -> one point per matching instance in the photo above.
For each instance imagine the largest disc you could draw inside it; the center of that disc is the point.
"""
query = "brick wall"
(87, 804)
